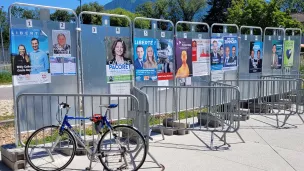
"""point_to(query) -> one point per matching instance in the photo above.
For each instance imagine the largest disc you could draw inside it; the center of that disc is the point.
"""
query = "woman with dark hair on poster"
(22, 65)
(119, 50)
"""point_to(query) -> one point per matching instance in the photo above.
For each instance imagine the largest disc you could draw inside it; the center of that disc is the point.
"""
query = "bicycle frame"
(66, 124)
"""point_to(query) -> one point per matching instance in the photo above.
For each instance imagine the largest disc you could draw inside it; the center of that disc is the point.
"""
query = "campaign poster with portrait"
(29, 56)
(183, 58)
(255, 57)
(277, 54)
(217, 53)
(288, 53)
(200, 57)
(230, 53)
(119, 62)
(165, 59)
(61, 43)
(145, 59)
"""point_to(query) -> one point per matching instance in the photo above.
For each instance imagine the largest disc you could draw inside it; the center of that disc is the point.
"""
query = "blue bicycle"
(120, 147)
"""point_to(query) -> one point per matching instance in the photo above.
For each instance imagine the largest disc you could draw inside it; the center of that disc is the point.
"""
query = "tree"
(63, 16)
(174, 10)
(5, 29)
(91, 19)
(19, 12)
(158, 9)
(218, 11)
(292, 6)
(118, 21)
(190, 7)
(259, 13)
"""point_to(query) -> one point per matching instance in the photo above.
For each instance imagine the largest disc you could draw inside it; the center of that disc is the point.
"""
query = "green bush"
(5, 77)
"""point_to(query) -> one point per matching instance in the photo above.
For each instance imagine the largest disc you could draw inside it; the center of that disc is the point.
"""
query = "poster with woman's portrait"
(61, 43)
(145, 59)
(183, 58)
(29, 56)
(119, 62)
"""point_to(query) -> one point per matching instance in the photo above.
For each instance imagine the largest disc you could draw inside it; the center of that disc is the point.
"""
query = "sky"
(58, 3)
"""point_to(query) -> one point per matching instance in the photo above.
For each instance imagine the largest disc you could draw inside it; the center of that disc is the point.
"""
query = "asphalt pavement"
(6, 92)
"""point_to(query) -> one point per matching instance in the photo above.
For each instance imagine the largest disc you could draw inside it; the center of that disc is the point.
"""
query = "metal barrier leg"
(301, 118)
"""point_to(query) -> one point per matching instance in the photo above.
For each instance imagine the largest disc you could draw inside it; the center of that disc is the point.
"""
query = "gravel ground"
(7, 131)
(6, 107)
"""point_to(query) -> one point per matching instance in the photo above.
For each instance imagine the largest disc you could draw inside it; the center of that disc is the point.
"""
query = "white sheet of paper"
(162, 83)
(120, 88)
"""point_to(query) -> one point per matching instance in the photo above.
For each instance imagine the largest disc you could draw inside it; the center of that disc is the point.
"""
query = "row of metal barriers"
(217, 107)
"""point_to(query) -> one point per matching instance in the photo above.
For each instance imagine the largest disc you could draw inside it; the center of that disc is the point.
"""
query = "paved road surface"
(6, 93)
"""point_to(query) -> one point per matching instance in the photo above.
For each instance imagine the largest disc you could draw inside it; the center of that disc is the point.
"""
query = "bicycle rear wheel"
(133, 153)
(47, 149)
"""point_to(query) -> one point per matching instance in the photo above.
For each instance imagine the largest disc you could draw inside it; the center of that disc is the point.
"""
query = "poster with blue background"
(230, 53)
(277, 54)
(30, 56)
(256, 57)
(216, 54)
(145, 59)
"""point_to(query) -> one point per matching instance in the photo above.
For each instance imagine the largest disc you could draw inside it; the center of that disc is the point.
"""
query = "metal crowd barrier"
(268, 96)
(179, 109)
(36, 110)
(297, 95)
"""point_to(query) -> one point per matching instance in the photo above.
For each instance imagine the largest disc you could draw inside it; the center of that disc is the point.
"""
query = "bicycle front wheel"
(48, 149)
(127, 151)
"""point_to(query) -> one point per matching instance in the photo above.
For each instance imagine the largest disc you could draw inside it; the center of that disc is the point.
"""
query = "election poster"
(200, 57)
(288, 53)
(255, 57)
(61, 43)
(276, 55)
(29, 56)
(183, 58)
(145, 59)
(119, 62)
(165, 61)
(230, 53)
(217, 53)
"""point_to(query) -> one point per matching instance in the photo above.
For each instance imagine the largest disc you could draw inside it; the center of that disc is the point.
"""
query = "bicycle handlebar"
(64, 105)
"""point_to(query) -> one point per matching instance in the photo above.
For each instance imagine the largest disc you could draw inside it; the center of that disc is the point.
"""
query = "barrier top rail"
(39, 6)
(151, 19)
(252, 27)
(222, 24)
(192, 23)
(67, 95)
(103, 14)
(294, 29)
(274, 28)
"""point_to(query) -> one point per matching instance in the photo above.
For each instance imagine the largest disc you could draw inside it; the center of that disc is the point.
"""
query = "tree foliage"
(91, 19)
(291, 6)
(63, 16)
(217, 12)
(260, 13)
(174, 10)
(121, 22)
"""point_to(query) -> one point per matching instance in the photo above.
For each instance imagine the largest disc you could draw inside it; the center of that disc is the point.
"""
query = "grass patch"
(3, 118)
(5, 78)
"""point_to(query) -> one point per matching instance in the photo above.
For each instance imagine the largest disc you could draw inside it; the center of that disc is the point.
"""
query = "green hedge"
(5, 77)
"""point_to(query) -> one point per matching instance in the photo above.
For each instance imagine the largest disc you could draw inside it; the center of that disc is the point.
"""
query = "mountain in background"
(129, 5)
